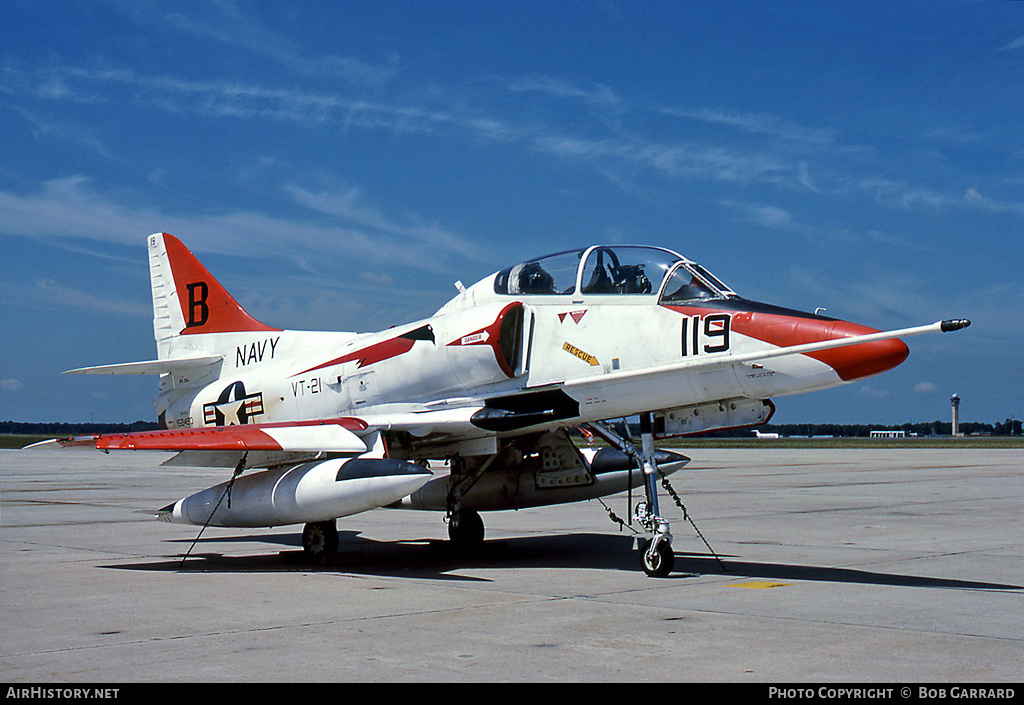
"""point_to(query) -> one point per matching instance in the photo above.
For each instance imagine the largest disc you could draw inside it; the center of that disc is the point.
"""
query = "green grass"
(19, 440)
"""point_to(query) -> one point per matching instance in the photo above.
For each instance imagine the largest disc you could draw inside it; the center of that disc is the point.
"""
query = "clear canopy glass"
(612, 270)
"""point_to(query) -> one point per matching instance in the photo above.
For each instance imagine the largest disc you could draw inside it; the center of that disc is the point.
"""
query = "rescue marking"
(576, 352)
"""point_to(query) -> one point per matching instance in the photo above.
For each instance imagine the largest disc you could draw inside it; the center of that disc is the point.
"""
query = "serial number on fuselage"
(705, 334)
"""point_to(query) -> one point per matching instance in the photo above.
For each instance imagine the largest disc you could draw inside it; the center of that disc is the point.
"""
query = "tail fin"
(187, 300)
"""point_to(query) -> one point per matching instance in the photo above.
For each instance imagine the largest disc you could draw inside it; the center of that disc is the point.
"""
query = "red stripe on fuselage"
(377, 352)
(384, 350)
(785, 328)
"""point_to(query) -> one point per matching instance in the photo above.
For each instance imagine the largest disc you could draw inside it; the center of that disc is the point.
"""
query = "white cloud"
(349, 204)
(757, 124)
(898, 194)
(11, 385)
(872, 393)
(54, 295)
(600, 95)
(1017, 43)
(239, 30)
(69, 208)
(61, 129)
(600, 142)
(924, 388)
(768, 216)
(973, 197)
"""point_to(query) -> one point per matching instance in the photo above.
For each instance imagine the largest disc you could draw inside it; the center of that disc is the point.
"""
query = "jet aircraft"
(330, 424)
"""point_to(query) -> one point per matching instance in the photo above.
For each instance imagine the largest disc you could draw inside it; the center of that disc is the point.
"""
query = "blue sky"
(339, 165)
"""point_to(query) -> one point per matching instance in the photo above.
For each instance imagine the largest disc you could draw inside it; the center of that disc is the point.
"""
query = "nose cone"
(786, 328)
(864, 360)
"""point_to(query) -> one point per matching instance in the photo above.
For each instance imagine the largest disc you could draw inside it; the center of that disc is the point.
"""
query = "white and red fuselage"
(600, 333)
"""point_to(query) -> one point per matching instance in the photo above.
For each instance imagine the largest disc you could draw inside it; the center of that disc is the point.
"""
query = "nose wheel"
(656, 557)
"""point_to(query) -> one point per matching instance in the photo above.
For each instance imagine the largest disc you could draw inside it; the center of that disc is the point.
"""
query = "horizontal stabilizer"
(150, 367)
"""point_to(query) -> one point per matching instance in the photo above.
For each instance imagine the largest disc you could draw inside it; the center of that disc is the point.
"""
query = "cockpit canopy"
(621, 270)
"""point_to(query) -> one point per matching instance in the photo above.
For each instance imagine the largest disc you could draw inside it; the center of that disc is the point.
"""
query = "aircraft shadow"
(428, 557)
(703, 565)
(437, 559)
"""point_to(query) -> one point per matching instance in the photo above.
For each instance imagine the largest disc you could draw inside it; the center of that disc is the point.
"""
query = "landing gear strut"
(656, 556)
(465, 527)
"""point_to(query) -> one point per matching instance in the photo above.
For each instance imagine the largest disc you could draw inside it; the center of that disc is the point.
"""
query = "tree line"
(1009, 427)
(60, 430)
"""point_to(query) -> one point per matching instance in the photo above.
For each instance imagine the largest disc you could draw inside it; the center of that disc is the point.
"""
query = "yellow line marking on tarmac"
(760, 585)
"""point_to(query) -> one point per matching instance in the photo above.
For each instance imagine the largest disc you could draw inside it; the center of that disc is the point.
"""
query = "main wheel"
(659, 562)
(320, 538)
(466, 529)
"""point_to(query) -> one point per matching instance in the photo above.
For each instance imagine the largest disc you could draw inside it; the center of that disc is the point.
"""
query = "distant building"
(888, 434)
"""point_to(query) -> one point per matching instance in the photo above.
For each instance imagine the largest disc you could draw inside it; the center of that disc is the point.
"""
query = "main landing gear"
(320, 538)
(466, 529)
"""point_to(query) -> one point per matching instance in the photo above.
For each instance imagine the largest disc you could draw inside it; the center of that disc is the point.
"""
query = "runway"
(839, 565)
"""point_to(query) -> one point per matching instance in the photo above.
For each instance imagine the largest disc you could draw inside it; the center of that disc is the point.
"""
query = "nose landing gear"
(656, 556)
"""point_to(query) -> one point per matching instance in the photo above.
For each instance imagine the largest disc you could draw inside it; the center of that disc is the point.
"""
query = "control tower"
(955, 401)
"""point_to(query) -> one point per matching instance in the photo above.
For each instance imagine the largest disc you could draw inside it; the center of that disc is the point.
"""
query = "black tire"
(320, 538)
(466, 529)
(659, 563)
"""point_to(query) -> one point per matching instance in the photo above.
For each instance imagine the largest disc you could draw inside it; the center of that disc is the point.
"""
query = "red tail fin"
(206, 307)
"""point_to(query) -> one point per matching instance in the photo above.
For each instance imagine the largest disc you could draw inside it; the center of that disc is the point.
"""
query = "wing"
(328, 435)
(267, 445)
(272, 444)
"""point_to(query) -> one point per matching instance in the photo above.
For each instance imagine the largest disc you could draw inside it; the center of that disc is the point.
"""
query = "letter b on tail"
(198, 310)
